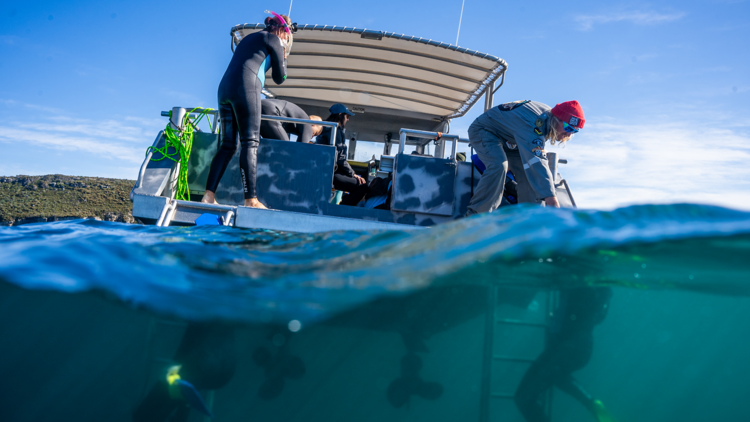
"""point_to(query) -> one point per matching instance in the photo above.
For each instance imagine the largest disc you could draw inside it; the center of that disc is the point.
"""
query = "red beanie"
(569, 112)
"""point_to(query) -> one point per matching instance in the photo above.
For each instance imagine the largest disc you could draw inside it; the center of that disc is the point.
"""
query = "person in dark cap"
(523, 126)
(344, 178)
(271, 129)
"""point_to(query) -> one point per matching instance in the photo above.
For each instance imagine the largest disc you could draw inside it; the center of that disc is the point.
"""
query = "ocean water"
(274, 326)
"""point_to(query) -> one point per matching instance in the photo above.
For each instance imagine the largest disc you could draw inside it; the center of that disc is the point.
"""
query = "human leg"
(489, 191)
(248, 110)
(207, 358)
(571, 387)
(539, 378)
(576, 353)
(248, 166)
(273, 130)
(349, 184)
(227, 148)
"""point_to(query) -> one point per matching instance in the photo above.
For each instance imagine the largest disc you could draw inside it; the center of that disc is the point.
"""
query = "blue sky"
(665, 86)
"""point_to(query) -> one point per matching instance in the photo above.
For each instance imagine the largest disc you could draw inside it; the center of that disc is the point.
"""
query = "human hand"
(360, 179)
(552, 202)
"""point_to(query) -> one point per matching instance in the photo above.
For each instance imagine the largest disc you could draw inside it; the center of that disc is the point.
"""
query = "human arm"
(304, 132)
(343, 165)
(536, 166)
(278, 60)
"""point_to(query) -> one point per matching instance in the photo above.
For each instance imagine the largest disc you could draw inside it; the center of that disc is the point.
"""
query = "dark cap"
(340, 108)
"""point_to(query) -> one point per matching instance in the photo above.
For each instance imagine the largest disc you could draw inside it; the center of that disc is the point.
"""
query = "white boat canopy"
(383, 73)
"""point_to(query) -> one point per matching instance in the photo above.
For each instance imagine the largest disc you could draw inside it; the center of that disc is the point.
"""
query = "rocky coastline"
(55, 197)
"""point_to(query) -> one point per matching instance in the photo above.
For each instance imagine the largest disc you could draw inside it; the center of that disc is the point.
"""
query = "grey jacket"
(523, 125)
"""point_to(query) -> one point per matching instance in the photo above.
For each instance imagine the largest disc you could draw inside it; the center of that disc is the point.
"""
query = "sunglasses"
(570, 129)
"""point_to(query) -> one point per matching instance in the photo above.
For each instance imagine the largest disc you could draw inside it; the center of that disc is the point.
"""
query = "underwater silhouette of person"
(411, 384)
(277, 368)
(205, 360)
(568, 349)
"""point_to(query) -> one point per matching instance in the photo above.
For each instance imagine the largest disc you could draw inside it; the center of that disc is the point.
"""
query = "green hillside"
(28, 199)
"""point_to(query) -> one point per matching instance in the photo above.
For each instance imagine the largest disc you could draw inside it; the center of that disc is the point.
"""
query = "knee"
(249, 143)
(229, 146)
(496, 167)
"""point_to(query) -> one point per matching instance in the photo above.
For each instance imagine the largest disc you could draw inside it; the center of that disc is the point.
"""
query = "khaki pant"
(489, 192)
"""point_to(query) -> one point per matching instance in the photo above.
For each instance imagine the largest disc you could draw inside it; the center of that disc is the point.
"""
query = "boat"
(98, 359)
(404, 90)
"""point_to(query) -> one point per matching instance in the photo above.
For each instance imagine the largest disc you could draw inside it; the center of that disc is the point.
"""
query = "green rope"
(181, 141)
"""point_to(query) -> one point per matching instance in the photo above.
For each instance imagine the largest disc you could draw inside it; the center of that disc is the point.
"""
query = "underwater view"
(637, 314)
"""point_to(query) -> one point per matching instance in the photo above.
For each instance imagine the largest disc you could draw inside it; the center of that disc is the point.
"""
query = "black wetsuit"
(343, 175)
(208, 358)
(277, 130)
(239, 105)
(569, 349)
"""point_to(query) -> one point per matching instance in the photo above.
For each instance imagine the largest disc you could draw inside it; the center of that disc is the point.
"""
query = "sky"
(665, 86)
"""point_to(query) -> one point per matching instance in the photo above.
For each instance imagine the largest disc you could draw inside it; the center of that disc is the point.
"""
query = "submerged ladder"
(535, 323)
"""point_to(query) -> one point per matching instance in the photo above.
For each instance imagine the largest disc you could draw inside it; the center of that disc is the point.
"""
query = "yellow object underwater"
(180, 389)
(173, 375)
(601, 414)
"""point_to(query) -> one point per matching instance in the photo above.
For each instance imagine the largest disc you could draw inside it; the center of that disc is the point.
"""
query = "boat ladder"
(226, 212)
(514, 337)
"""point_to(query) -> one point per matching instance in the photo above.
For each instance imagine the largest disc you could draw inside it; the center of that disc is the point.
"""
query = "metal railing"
(333, 125)
(178, 113)
(403, 133)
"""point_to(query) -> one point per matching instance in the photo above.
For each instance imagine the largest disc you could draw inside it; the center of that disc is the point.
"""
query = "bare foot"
(209, 198)
(254, 203)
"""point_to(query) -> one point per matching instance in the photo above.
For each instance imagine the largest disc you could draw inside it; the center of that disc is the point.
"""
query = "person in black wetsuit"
(239, 103)
(270, 129)
(207, 356)
(569, 349)
(344, 178)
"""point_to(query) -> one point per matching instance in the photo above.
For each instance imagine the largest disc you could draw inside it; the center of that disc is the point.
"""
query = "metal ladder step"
(513, 359)
(493, 322)
(520, 322)
(227, 212)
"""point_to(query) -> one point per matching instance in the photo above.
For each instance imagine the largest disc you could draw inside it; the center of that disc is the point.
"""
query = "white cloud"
(621, 164)
(124, 139)
(107, 129)
(59, 140)
(587, 22)
(37, 107)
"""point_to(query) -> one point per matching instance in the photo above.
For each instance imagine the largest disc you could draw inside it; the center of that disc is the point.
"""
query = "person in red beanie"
(520, 128)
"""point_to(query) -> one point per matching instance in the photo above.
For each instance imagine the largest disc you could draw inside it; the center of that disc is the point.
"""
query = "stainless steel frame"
(177, 112)
(332, 125)
(403, 133)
